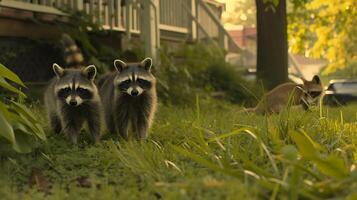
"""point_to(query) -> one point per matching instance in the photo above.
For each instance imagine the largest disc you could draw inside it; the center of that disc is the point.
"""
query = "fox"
(297, 94)
(72, 98)
(130, 96)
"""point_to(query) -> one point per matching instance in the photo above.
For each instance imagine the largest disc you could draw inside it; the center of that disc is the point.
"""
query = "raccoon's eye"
(139, 80)
(84, 93)
(126, 81)
(64, 92)
(143, 83)
(315, 93)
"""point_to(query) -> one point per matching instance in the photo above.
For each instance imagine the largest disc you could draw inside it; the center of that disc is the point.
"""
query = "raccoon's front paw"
(97, 139)
(123, 134)
(73, 138)
(142, 135)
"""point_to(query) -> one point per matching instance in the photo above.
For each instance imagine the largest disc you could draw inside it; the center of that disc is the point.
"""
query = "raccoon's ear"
(59, 71)
(303, 80)
(147, 63)
(119, 65)
(316, 79)
(90, 72)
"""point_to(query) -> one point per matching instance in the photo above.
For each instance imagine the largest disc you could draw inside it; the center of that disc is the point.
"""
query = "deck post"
(128, 18)
(151, 30)
(192, 23)
(78, 5)
(222, 38)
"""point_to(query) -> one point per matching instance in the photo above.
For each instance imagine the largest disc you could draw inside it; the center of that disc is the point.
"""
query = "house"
(149, 21)
(246, 37)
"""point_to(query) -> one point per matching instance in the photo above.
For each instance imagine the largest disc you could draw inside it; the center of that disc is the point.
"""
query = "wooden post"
(117, 14)
(91, 9)
(100, 12)
(193, 25)
(78, 5)
(142, 21)
(111, 15)
(128, 10)
(151, 32)
(133, 13)
(222, 38)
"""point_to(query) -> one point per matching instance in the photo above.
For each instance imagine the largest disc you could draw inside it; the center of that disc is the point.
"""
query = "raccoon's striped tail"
(73, 56)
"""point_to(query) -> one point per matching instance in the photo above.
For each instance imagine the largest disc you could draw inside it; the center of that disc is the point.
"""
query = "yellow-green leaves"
(18, 125)
(329, 165)
(332, 166)
(289, 152)
(6, 74)
(325, 29)
(6, 130)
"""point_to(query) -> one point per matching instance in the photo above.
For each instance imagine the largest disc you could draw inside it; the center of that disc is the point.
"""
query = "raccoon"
(71, 99)
(130, 97)
(73, 56)
(297, 94)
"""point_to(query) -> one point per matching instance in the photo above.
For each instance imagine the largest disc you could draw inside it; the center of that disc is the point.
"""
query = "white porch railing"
(194, 19)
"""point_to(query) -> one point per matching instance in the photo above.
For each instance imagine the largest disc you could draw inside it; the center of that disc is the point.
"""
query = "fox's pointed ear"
(90, 72)
(59, 71)
(316, 79)
(147, 63)
(119, 65)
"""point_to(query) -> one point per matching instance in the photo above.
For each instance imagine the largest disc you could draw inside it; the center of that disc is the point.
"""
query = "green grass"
(211, 151)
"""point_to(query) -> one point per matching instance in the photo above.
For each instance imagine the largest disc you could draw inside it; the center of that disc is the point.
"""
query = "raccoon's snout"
(134, 92)
(73, 102)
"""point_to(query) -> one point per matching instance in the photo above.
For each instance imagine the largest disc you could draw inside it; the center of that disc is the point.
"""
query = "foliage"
(349, 72)
(20, 128)
(223, 77)
(242, 13)
(211, 152)
(325, 29)
(285, 155)
(197, 69)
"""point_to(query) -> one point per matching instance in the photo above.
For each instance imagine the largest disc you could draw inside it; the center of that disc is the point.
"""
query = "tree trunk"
(272, 47)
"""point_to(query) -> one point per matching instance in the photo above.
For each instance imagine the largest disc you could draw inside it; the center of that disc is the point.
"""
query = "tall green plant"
(20, 129)
(199, 68)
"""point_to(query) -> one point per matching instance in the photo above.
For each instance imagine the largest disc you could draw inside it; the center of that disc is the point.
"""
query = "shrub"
(223, 77)
(199, 69)
(20, 129)
(349, 72)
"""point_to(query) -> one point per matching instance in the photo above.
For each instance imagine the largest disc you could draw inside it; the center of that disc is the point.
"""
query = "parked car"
(340, 92)
(250, 74)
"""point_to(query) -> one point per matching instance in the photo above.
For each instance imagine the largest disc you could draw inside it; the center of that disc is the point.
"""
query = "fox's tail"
(73, 56)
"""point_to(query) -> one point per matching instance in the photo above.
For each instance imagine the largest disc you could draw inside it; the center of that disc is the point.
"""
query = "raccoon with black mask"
(129, 96)
(71, 99)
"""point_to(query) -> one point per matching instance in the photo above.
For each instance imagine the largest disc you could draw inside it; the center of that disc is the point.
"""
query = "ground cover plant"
(19, 128)
(207, 151)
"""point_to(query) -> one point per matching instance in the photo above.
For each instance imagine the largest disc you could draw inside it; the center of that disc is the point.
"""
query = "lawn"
(207, 151)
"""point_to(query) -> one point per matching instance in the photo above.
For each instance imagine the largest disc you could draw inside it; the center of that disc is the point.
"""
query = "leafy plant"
(325, 29)
(222, 154)
(199, 69)
(20, 129)
(296, 165)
